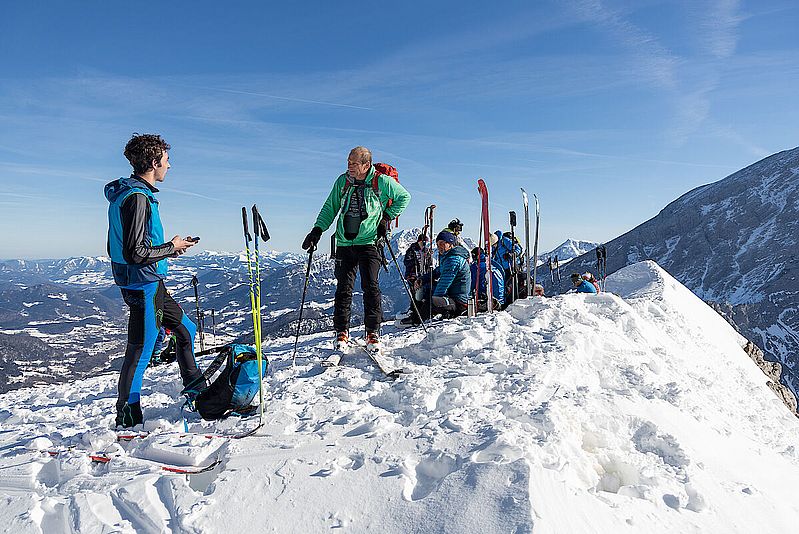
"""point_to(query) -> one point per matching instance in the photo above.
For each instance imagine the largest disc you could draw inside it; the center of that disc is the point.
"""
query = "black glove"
(382, 227)
(312, 239)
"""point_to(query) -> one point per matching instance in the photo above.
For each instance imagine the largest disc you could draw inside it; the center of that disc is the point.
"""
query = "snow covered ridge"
(732, 243)
(573, 414)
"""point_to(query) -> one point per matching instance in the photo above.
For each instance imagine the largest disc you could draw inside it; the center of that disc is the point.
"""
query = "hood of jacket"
(120, 187)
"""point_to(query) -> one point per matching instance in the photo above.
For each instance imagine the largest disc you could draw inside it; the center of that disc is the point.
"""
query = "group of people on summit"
(363, 201)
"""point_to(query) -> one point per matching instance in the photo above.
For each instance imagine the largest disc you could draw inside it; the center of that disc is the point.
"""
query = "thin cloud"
(719, 28)
(286, 98)
(652, 59)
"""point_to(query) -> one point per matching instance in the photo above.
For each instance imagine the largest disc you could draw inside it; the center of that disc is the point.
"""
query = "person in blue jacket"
(503, 253)
(480, 262)
(139, 255)
(580, 285)
(504, 250)
(450, 294)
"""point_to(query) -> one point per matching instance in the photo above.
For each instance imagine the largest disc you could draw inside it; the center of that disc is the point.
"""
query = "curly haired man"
(139, 255)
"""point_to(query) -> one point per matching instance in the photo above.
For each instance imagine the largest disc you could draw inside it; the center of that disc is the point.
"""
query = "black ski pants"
(150, 308)
(350, 260)
(448, 307)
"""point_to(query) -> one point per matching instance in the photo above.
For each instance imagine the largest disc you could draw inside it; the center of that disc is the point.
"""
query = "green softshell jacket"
(367, 234)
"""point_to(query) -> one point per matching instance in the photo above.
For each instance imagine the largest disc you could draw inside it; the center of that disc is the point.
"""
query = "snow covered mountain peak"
(572, 414)
(571, 248)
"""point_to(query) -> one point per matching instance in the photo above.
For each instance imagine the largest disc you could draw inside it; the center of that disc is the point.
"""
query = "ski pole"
(194, 282)
(407, 287)
(260, 228)
(513, 285)
(213, 323)
(253, 310)
(302, 303)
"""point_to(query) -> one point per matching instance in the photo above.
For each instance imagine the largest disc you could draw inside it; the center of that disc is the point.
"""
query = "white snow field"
(636, 411)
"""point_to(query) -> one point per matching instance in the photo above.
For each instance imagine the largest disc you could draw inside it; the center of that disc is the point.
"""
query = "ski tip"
(398, 373)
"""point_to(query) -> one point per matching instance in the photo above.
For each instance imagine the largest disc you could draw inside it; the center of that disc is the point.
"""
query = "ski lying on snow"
(101, 458)
(379, 361)
(180, 470)
(143, 435)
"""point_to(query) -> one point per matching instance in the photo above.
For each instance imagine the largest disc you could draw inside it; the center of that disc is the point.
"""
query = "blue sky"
(608, 110)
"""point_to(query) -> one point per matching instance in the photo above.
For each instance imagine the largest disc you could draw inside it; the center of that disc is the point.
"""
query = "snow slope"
(732, 242)
(573, 414)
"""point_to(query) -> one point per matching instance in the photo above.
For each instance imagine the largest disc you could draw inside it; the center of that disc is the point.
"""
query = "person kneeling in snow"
(580, 285)
(593, 281)
(480, 271)
(451, 293)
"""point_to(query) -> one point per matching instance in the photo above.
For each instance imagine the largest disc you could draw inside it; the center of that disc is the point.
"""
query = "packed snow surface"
(635, 411)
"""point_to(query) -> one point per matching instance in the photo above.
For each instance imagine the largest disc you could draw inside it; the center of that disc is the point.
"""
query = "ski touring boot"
(373, 343)
(342, 341)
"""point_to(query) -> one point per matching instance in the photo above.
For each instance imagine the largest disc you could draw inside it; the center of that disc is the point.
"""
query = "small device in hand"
(192, 239)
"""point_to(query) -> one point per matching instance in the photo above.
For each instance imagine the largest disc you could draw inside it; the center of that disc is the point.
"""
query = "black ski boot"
(129, 415)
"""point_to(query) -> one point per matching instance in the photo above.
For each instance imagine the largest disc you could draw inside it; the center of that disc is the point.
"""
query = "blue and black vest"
(126, 274)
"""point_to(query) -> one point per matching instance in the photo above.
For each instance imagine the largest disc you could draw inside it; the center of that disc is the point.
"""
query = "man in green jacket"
(362, 205)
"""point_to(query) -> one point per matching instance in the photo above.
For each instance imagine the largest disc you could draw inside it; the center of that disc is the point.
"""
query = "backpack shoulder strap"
(376, 183)
(225, 354)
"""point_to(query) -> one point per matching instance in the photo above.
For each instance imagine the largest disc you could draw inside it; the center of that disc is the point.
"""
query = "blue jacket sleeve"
(449, 269)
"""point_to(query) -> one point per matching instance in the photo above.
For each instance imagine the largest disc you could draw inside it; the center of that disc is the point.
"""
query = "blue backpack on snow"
(233, 390)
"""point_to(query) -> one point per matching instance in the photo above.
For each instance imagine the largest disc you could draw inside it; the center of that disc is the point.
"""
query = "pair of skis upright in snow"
(601, 265)
(485, 231)
(534, 259)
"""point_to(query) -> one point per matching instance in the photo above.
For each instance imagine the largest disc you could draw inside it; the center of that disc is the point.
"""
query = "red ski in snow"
(485, 225)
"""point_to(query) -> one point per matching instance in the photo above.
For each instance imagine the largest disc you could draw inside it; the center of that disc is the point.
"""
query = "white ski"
(383, 363)
(530, 288)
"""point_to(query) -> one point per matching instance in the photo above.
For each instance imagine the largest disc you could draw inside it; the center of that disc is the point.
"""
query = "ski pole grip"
(246, 226)
(260, 225)
(512, 218)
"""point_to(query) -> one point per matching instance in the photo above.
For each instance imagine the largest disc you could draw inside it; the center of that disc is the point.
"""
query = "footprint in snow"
(428, 474)
(365, 428)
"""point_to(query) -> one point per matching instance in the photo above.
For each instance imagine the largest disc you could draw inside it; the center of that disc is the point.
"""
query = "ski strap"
(191, 391)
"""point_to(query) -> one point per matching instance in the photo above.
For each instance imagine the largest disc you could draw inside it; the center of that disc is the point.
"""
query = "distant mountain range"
(64, 319)
(734, 243)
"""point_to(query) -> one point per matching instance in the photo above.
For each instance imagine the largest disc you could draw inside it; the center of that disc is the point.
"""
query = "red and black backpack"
(380, 168)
